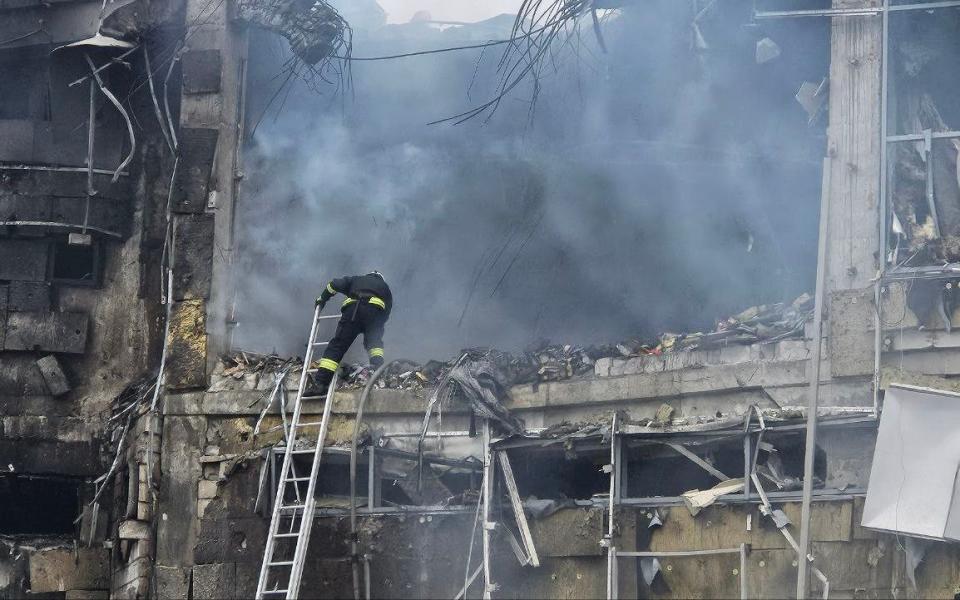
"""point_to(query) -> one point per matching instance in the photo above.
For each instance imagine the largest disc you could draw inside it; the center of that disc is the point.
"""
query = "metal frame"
(616, 449)
(885, 209)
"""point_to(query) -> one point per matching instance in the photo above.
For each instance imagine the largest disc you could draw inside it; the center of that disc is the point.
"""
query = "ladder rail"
(306, 523)
(287, 461)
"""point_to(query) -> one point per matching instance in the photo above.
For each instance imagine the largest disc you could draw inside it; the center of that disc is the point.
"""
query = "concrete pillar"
(853, 150)
(214, 65)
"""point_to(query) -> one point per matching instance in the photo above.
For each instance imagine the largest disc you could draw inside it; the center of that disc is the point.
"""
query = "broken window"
(671, 468)
(556, 473)
(659, 470)
(923, 117)
(35, 505)
(76, 264)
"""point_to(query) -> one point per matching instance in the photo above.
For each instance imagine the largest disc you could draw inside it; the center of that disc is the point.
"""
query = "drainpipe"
(814, 388)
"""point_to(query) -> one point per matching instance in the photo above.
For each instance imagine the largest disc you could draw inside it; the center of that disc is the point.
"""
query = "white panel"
(915, 462)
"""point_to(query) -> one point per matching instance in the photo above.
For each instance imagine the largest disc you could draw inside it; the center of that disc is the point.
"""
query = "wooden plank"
(518, 508)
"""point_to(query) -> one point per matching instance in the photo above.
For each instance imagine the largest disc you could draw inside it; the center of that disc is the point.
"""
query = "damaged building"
(801, 446)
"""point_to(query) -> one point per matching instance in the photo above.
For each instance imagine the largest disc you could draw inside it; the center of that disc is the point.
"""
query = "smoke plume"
(658, 186)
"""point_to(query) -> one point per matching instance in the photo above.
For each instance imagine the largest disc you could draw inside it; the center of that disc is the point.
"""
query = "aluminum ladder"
(293, 507)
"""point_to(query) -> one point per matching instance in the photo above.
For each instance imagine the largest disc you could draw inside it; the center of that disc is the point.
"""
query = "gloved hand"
(320, 304)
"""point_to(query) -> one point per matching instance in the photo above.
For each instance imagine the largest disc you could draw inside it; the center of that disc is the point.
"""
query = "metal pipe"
(743, 568)
(679, 553)
(611, 548)
(156, 104)
(853, 12)
(923, 6)
(126, 117)
(57, 169)
(884, 203)
(919, 137)
(166, 99)
(91, 129)
(928, 192)
(113, 61)
(60, 225)
(488, 584)
(361, 402)
(825, 12)
(814, 384)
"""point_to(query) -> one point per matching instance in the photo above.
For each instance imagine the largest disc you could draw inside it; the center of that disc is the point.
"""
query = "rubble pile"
(242, 363)
(543, 362)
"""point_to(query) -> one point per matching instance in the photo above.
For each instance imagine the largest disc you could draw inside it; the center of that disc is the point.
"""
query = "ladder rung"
(274, 592)
(308, 424)
(280, 563)
(312, 397)
(312, 370)
(286, 535)
(320, 343)
(304, 451)
(293, 507)
(292, 479)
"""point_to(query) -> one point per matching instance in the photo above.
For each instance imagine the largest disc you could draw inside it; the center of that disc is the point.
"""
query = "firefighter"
(365, 311)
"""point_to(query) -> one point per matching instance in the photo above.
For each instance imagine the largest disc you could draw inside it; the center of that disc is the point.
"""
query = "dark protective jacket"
(369, 288)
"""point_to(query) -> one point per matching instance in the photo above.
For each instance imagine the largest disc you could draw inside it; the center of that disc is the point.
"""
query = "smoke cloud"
(659, 186)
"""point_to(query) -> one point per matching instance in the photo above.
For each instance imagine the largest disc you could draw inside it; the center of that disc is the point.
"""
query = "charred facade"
(142, 450)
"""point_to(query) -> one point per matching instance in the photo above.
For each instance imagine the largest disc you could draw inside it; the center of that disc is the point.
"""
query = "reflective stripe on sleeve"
(329, 364)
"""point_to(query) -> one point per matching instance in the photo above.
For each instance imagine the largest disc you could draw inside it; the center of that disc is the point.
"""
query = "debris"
(655, 520)
(541, 508)
(544, 362)
(649, 568)
(767, 50)
(480, 384)
(780, 518)
(315, 29)
(697, 500)
(813, 97)
(53, 375)
(663, 416)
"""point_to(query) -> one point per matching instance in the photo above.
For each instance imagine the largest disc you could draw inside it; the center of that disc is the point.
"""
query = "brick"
(135, 530)
(207, 489)
(172, 582)
(214, 581)
(61, 569)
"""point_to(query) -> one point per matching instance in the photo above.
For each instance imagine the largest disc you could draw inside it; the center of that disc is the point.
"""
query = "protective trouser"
(356, 318)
